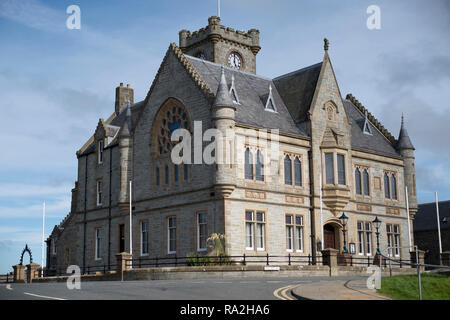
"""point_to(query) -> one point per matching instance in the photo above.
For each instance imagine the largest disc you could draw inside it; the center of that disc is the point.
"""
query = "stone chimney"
(123, 95)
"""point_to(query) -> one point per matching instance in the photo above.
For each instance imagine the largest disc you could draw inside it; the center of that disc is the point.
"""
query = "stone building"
(329, 148)
(426, 231)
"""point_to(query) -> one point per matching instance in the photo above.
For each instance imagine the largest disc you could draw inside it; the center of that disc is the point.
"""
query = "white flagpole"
(407, 214)
(439, 228)
(43, 239)
(218, 8)
(131, 226)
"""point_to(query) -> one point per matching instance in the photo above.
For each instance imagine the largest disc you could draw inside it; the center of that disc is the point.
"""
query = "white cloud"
(32, 14)
(54, 209)
(25, 190)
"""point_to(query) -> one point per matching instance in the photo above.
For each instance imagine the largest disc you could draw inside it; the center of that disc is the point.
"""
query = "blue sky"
(56, 83)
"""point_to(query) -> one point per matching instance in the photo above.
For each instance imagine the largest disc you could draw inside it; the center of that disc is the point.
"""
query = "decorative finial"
(403, 120)
(326, 44)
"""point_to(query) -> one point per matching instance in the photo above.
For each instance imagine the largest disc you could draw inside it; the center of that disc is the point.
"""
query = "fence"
(244, 259)
(368, 261)
(6, 278)
(62, 270)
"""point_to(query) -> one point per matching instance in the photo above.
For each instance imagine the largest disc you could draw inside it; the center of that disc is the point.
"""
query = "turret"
(223, 116)
(406, 149)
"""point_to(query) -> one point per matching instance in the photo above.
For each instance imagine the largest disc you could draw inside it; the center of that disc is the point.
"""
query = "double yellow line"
(282, 293)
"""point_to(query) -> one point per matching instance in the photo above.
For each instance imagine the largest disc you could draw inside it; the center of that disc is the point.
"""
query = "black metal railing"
(368, 261)
(62, 270)
(6, 278)
(202, 260)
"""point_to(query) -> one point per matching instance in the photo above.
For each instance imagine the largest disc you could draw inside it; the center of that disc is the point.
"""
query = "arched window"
(158, 178)
(358, 181)
(167, 174)
(186, 172)
(171, 116)
(176, 173)
(366, 182)
(259, 169)
(387, 191)
(297, 172)
(248, 164)
(287, 170)
(394, 187)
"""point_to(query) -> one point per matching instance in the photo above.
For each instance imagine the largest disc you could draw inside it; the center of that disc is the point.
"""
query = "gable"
(297, 90)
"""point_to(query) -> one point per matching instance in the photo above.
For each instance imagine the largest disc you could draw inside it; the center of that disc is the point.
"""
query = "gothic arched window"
(171, 116)
(297, 172)
(287, 170)
(259, 168)
(387, 192)
(394, 187)
(358, 181)
(366, 182)
(248, 164)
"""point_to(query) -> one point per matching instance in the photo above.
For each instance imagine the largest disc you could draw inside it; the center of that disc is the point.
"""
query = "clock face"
(235, 61)
(201, 55)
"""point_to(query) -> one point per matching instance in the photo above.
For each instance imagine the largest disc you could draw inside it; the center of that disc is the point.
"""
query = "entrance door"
(121, 238)
(328, 237)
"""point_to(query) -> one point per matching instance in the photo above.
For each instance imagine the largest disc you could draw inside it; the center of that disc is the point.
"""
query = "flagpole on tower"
(218, 8)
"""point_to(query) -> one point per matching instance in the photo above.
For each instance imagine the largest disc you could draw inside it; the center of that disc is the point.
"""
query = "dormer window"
(101, 145)
(270, 103)
(233, 92)
(366, 128)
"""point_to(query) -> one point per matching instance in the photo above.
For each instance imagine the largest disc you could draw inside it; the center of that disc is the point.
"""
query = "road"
(207, 289)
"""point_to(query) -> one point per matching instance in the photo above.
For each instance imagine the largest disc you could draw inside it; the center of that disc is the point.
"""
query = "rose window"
(173, 117)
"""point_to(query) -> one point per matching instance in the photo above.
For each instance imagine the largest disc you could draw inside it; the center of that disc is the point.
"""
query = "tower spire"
(404, 142)
(223, 98)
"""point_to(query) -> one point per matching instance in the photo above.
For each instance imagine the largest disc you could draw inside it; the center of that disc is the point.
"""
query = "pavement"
(354, 289)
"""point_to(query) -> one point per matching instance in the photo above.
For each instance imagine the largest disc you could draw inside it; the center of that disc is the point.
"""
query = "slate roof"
(251, 90)
(425, 218)
(404, 142)
(117, 123)
(376, 142)
(297, 90)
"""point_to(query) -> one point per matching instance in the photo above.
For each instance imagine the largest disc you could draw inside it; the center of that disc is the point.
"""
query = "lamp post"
(377, 223)
(344, 220)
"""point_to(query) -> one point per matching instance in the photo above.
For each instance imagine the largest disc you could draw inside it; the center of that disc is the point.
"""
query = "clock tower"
(225, 46)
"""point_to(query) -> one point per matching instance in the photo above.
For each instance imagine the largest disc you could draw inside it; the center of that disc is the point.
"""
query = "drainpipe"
(85, 210)
(109, 206)
(311, 207)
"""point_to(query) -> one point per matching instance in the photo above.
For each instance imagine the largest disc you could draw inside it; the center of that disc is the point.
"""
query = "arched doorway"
(331, 236)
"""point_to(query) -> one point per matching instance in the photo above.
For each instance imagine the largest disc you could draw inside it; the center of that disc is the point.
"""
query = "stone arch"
(331, 110)
(172, 115)
(332, 234)
(26, 249)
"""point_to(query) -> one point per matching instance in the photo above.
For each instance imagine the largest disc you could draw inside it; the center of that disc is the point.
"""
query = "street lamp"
(377, 223)
(344, 220)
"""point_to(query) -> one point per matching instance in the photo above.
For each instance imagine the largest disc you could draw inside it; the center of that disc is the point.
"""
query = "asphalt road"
(207, 289)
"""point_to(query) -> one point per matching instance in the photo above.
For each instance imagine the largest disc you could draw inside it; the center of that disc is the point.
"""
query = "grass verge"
(434, 287)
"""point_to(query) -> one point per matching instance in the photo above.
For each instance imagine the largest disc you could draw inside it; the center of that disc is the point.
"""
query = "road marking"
(303, 281)
(282, 293)
(223, 282)
(45, 297)
(273, 281)
(8, 286)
